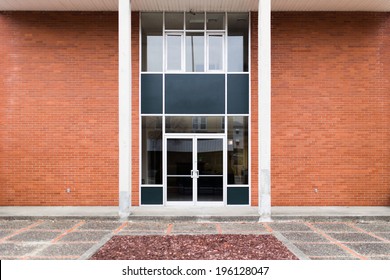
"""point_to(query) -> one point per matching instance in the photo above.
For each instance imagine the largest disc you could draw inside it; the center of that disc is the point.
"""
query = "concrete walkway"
(38, 238)
(202, 213)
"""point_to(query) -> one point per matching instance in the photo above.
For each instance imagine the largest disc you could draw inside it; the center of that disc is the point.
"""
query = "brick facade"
(330, 109)
(59, 108)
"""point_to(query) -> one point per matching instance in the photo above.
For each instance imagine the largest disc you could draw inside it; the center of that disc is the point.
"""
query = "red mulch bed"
(194, 247)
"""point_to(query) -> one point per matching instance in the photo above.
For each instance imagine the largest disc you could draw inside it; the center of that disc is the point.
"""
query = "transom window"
(195, 42)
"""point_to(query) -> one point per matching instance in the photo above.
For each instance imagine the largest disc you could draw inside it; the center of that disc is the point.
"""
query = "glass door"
(194, 169)
(180, 160)
(209, 169)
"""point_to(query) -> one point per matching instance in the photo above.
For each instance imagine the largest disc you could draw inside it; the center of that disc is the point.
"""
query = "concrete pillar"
(264, 107)
(124, 30)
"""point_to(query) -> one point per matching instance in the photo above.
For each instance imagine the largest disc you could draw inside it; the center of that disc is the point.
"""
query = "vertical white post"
(264, 107)
(124, 37)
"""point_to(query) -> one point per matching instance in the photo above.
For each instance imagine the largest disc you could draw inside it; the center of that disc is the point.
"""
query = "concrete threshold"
(232, 213)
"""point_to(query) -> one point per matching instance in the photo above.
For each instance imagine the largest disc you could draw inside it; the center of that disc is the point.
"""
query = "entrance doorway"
(194, 169)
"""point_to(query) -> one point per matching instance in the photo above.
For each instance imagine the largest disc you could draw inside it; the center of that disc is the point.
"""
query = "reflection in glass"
(174, 21)
(238, 150)
(179, 166)
(151, 151)
(152, 41)
(174, 45)
(194, 52)
(215, 49)
(194, 125)
(210, 166)
(238, 26)
(215, 21)
(195, 21)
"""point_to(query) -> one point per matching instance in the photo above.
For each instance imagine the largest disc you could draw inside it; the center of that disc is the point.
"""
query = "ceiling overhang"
(195, 5)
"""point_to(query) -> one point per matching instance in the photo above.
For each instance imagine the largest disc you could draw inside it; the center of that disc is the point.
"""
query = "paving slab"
(35, 236)
(334, 258)
(132, 232)
(74, 249)
(100, 225)
(374, 227)
(321, 250)
(11, 249)
(242, 228)
(4, 233)
(58, 224)
(334, 227)
(305, 237)
(146, 227)
(194, 228)
(380, 258)
(369, 249)
(353, 237)
(385, 235)
(286, 226)
(84, 236)
(15, 224)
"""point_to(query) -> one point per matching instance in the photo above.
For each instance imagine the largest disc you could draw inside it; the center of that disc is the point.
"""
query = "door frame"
(195, 137)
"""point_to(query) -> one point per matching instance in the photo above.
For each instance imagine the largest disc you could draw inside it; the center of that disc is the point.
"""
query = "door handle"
(195, 174)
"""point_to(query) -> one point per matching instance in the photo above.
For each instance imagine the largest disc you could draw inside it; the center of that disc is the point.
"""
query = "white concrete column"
(124, 36)
(264, 107)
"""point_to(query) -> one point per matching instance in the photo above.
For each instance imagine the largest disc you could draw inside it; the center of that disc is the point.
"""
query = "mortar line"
(67, 232)
(367, 232)
(219, 229)
(267, 227)
(169, 229)
(37, 223)
(339, 244)
(121, 227)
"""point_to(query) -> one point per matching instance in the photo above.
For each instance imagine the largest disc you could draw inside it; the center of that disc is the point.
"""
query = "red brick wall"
(135, 108)
(58, 109)
(254, 111)
(330, 109)
(59, 116)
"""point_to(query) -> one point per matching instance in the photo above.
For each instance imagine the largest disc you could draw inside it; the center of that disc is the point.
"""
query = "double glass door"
(194, 169)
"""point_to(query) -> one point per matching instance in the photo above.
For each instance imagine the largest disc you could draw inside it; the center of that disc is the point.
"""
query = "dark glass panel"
(194, 124)
(151, 150)
(238, 94)
(174, 21)
(195, 94)
(210, 188)
(151, 93)
(195, 21)
(238, 150)
(238, 34)
(238, 196)
(179, 188)
(152, 41)
(152, 195)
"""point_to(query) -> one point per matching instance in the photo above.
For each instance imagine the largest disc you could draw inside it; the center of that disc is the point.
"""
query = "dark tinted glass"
(151, 94)
(194, 94)
(238, 94)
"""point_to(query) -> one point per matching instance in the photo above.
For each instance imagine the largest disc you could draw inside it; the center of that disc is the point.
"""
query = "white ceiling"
(195, 5)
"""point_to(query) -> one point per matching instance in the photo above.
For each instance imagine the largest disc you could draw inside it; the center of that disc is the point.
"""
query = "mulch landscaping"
(194, 247)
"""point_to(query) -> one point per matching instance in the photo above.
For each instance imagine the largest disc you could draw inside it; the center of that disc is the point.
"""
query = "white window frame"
(214, 33)
(182, 55)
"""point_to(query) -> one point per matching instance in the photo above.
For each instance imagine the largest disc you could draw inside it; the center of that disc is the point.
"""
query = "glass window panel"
(151, 93)
(151, 150)
(194, 124)
(152, 41)
(194, 52)
(238, 32)
(238, 150)
(195, 21)
(174, 21)
(215, 52)
(215, 21)
(238, 93)
(174, 46)
(195, 94)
